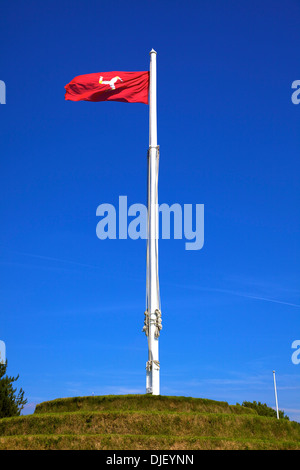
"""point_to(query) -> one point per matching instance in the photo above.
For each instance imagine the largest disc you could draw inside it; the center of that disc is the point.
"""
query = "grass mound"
(134, 422)
(140, 403)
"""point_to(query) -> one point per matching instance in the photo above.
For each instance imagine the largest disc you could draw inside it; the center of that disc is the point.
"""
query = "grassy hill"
(136, 422)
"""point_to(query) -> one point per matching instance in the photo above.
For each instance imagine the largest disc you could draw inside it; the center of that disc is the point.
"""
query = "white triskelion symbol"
(111, 82)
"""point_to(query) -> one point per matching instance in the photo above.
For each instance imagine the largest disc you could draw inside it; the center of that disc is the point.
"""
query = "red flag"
(129, 87)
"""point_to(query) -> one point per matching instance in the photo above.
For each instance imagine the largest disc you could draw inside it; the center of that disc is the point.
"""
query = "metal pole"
(153, 301)
(276, 400)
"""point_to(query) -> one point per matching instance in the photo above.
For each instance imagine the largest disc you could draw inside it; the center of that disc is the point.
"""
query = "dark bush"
(263, 410)
(11, 401)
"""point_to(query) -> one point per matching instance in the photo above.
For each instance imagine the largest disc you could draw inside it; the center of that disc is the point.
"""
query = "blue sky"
(71, 305)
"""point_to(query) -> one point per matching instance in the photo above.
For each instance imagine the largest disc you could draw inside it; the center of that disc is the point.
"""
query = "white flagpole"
(153, 316)
(276, 399)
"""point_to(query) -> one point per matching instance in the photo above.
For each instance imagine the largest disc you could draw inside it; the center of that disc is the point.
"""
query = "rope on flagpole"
(158, 321)
(149, 365)
(146, 323)
(156, 242)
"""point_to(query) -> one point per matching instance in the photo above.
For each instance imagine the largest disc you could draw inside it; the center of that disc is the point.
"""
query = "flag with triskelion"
(128, 87)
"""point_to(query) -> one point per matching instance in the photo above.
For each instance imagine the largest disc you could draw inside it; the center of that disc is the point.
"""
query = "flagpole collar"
(152, 51)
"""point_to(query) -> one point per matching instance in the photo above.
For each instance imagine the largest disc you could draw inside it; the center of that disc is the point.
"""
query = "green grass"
(140, 402)
(129, 422)
(141, 442)
(151, 423)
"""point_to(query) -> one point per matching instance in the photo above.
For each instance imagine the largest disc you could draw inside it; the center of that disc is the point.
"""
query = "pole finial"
(152, 51)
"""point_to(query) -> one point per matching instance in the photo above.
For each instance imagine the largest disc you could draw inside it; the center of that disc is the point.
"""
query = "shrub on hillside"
(263, 410)
(11, 402)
